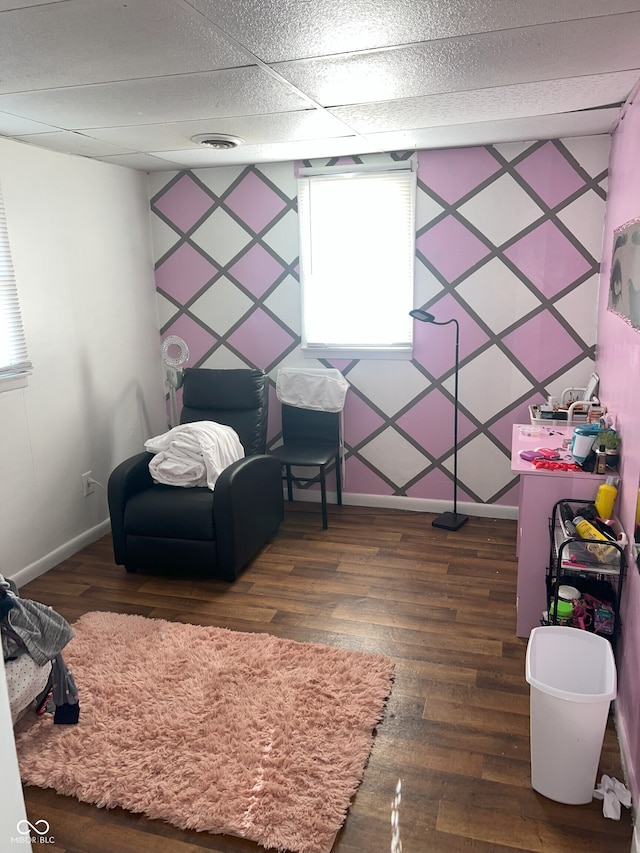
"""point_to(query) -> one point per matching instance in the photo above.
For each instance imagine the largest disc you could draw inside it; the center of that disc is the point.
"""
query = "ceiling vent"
(219, 141)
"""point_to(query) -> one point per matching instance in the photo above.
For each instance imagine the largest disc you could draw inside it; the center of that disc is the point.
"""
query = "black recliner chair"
(199, 530)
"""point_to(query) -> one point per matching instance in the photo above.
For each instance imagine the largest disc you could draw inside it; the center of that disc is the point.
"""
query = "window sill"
(390, 354)
(12, 383)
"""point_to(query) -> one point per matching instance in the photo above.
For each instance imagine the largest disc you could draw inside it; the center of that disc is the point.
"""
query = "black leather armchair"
(199, 530)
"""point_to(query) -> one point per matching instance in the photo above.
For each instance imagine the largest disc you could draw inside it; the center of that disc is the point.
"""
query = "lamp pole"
(448, 520)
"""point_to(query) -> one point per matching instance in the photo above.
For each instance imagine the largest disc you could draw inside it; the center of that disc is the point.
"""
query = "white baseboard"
(29, 573)
(412, 504)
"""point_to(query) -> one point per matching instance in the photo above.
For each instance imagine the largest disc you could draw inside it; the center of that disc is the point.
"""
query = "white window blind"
(14, 361)
(357, 253)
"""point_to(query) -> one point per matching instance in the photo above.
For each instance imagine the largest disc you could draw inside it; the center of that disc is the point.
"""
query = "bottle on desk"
(601, 460)
(606, 497)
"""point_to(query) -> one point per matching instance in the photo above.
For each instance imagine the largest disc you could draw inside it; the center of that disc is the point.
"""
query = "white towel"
(193, 454)
(614, 794)
(321, 388)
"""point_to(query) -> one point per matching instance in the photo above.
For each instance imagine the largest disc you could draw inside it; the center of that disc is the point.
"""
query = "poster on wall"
(624, 285)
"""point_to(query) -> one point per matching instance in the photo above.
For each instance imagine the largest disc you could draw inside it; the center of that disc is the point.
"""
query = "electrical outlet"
(88, 487)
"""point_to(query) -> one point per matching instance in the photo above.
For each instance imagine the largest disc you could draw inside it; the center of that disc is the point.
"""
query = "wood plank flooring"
(456, 729)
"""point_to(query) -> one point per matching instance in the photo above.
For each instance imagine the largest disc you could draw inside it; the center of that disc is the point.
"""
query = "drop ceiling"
(131, 81)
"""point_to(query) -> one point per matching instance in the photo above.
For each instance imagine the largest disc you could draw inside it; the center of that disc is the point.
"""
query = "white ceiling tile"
(96, 41)
(11, 125)
(10, 5)
(182, 97)
(72, 143)
(144, 76)
(271, 153)
(141, 162)
(277, 31)
(493, 104)
(472, 62)
(507, 131)
(277, 127)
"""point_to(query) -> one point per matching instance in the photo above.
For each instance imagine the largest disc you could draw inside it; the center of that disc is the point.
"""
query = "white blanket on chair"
(193, 454)
(320, 388)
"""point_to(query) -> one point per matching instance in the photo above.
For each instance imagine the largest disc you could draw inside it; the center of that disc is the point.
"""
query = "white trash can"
(572, 674)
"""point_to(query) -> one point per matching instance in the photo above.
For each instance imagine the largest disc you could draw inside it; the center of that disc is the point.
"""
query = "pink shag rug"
(213, 730)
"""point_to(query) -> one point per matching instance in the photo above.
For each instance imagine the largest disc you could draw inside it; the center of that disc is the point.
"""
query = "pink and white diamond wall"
(508, 242)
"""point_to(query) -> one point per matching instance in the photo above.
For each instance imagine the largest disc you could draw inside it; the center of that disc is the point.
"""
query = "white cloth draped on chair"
(320, 388)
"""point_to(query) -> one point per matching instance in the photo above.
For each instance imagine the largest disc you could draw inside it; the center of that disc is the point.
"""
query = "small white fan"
(175, 353)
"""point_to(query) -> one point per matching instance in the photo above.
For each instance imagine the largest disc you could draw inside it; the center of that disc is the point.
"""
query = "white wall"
(80, 239)
(12, 809)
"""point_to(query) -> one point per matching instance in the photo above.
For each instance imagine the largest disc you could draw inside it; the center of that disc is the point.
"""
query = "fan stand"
(174, 376)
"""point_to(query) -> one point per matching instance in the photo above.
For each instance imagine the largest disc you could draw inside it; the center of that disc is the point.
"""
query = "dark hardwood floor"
(456, 729)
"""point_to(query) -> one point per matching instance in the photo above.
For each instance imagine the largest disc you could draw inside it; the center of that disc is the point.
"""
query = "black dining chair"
(310, 439)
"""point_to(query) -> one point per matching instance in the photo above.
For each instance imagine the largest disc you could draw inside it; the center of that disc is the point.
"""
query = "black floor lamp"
(448, 520)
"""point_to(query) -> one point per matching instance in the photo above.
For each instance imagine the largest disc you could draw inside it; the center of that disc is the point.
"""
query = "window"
(14, 361)
(357, 252)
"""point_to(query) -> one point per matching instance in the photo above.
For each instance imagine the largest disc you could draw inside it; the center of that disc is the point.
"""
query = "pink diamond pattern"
(434, 409)
(184, 203)
(199, 340)
(257, 270)
(502, 428)
(436, 486)
(547, 256)
(549, 174)
(434, 346)
(451, 248)
(541, 345)
(548, 259)
(454, 172)
(360, 421)
(510, 498)
(184, 273)
(254, 202)
(261, 340)
(361, 480)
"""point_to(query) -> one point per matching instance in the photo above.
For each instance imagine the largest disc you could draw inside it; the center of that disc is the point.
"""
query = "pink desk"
(539, 490)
